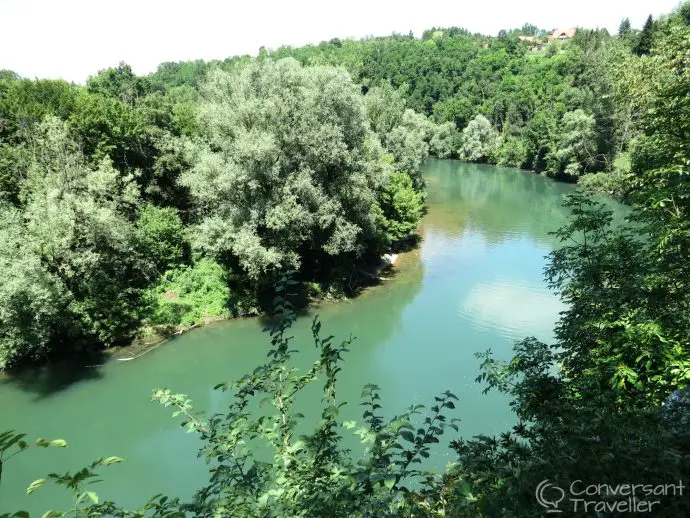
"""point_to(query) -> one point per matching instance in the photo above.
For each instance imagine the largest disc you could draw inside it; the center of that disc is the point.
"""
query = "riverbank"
(153, 338)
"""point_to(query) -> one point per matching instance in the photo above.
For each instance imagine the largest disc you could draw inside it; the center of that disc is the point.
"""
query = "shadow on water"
(46, 380)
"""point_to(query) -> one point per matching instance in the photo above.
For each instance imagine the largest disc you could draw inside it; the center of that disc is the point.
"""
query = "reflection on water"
(514, 308)
(498, 203)
(474, 283)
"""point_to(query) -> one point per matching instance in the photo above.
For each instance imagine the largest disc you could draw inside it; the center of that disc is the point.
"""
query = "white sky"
(73, 39)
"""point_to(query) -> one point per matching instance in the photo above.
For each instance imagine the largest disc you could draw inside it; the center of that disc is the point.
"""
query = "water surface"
(474, 283)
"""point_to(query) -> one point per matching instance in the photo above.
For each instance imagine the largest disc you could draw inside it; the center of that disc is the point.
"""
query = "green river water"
(475, 282)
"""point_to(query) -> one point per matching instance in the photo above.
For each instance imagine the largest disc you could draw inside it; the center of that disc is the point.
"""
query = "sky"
(73, 39)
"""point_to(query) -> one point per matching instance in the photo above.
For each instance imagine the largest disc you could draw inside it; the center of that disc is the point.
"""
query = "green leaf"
(407, 435)
(35, 485)
(389, 483)
(43, 443)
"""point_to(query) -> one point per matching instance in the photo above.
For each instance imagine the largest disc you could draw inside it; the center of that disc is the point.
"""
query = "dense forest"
(138, 204)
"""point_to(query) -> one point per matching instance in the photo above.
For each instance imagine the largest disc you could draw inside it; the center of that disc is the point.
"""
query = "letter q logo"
(549, 496)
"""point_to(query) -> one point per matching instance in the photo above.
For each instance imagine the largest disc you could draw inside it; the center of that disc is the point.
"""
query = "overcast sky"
(73, 39)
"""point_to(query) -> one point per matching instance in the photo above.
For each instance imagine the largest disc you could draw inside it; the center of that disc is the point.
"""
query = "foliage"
(401, 207)
(292, 166)
(575, 144)
(32, 302)
(287, 173)
(479, 140)
(161, 236)
(444, 141)
(309, 475)
(643, 45)
(512, 152)
(189, 295)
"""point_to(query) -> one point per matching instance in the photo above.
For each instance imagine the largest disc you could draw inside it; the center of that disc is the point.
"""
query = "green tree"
(161, 236)
(444, 141)
(189, 295)
(575, 149)
(75, 215)
(285, 173)
(645, 39)
(480, 140)
(119, 83)
(625, 30)
(402, 206)
(32, 301)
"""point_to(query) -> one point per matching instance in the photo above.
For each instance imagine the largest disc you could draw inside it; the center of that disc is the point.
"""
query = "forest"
(136, 205)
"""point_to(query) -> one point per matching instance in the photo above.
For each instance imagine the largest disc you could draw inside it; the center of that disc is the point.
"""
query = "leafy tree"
(402, 132)
(13, 165)
(75, 215)
(457, 110)
(401, 205)
(685, 12)
(286, 173)
(529, 30)
(444, 141)
(32, 302)
(480, 140)
(119, 83)
(385, 107)
(575, 145)
(24, 104)
(109, 128)
(512, 152)
(161, 236)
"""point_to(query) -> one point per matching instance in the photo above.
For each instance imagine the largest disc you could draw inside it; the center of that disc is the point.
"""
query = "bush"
(161, 236)
(189, 295)
(402, 206)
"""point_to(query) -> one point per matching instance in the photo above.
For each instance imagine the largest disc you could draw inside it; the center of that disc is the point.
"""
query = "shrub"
(189, 295)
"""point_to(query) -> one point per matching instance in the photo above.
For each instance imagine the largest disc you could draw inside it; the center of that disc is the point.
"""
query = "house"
(528, 38)
(562, 34)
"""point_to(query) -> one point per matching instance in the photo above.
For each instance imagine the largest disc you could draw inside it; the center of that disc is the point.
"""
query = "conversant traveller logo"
(549, 496)
(605, 498)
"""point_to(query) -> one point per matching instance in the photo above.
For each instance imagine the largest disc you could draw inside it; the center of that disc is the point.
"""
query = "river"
(475, 282)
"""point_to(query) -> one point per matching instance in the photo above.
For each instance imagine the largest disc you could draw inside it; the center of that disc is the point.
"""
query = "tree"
(625, 30)
(385, 107)
(456, 110)
(119, 83)
(161, 236)
(480, 140)
(529, 30)
(685, 12)
(575, 148)
(32, 301)
(75, 215)
(285, 172)
(445, 140)
(188, 296)
(401, 206)
(643, 46)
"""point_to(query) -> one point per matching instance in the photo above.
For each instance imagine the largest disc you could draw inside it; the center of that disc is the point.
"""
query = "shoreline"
(141, 347)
